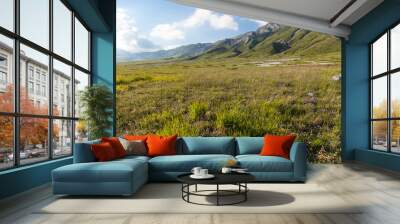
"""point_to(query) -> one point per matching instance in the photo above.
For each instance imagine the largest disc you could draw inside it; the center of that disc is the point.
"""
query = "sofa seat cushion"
(185, 163)
(257, 163)
(133, 157)
(112, 171)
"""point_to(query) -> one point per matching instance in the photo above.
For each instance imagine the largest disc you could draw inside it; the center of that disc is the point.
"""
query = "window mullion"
(73, 81)
(50, 82)
(16, 85)
(389, 106)
(371, 142)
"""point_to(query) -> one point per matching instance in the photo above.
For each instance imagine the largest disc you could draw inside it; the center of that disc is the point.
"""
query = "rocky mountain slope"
(268, 40)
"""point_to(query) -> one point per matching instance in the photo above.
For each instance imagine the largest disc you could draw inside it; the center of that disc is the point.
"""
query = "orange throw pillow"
(103, 152)
(161, 145)
(277, 145)
(116, 145)
(135, 137)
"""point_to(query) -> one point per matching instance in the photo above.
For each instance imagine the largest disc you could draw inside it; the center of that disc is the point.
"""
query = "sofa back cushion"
(83, 152)
(249, 145)
(161, 145)
(206, 145)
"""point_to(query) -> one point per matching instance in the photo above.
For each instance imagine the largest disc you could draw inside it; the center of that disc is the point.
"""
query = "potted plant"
(97, 103)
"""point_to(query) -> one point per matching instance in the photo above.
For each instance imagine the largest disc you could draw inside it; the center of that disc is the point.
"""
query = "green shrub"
(97, 104)
(197, 111)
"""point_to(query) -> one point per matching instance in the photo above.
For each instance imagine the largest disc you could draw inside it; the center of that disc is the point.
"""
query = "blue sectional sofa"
(125, 176)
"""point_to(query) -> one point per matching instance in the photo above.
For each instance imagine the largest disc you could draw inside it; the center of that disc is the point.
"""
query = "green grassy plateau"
(236, 96)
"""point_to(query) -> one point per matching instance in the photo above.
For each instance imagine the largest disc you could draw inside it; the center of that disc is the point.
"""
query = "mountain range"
(268, 40)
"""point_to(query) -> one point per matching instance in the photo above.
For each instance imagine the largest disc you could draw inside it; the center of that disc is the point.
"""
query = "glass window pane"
(62, 138)
(379, 97)
(34, 72)
(35, 21)
(395, 94)
(62, 89)
(81, 82)
(395, 136)
(81, 45)
(33, 140)
(379, 135)
(62, 29)
(395, 47)
(6, 74)
(81, 131)
(6, 142)
(7, 14)
(379, 56)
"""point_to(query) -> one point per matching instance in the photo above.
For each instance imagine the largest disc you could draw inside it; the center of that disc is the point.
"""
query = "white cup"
(226, 170)
(203, 172)
(196, 171)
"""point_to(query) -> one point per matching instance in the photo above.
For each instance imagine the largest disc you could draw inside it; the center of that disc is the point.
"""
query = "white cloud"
(131, 39)
(259, 22)
(128, 37)
(215, 20)
(176, 31)
(198, 18)
(167, 32)
(223, 22)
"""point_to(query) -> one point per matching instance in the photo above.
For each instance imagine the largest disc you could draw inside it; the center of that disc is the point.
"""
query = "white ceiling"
(315, 15)
(321, 9)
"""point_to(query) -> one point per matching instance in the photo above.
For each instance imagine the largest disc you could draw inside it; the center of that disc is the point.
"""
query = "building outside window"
(43, 77)
(3, 61)
(37, 75)
(43, 90)
(30, 87)
(38, 89)
(3, 71)
(30, 72)
(3, 78)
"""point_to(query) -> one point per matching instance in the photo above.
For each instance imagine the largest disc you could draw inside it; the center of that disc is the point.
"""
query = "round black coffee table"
(238, 179)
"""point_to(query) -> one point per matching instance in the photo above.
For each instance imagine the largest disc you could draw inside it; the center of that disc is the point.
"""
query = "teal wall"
(24, 178)
(103, 52)
(100, 16)
(103, 64)
(355, 86)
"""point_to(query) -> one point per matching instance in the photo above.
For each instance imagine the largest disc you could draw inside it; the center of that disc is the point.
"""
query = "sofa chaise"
(125, 176)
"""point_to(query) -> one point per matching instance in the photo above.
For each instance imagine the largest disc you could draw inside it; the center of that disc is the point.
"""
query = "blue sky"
(160, 24)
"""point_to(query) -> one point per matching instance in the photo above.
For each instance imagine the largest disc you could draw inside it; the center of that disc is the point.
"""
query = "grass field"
(234, 97)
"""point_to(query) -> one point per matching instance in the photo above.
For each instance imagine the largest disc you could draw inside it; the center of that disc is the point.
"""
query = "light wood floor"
(379, 189)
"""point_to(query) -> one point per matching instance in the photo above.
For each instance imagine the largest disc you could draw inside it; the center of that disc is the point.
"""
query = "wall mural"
(194, 72)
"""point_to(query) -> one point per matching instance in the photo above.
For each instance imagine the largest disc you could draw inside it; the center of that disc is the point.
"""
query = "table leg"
(245, 193)
(217, 194)
(188, 190)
